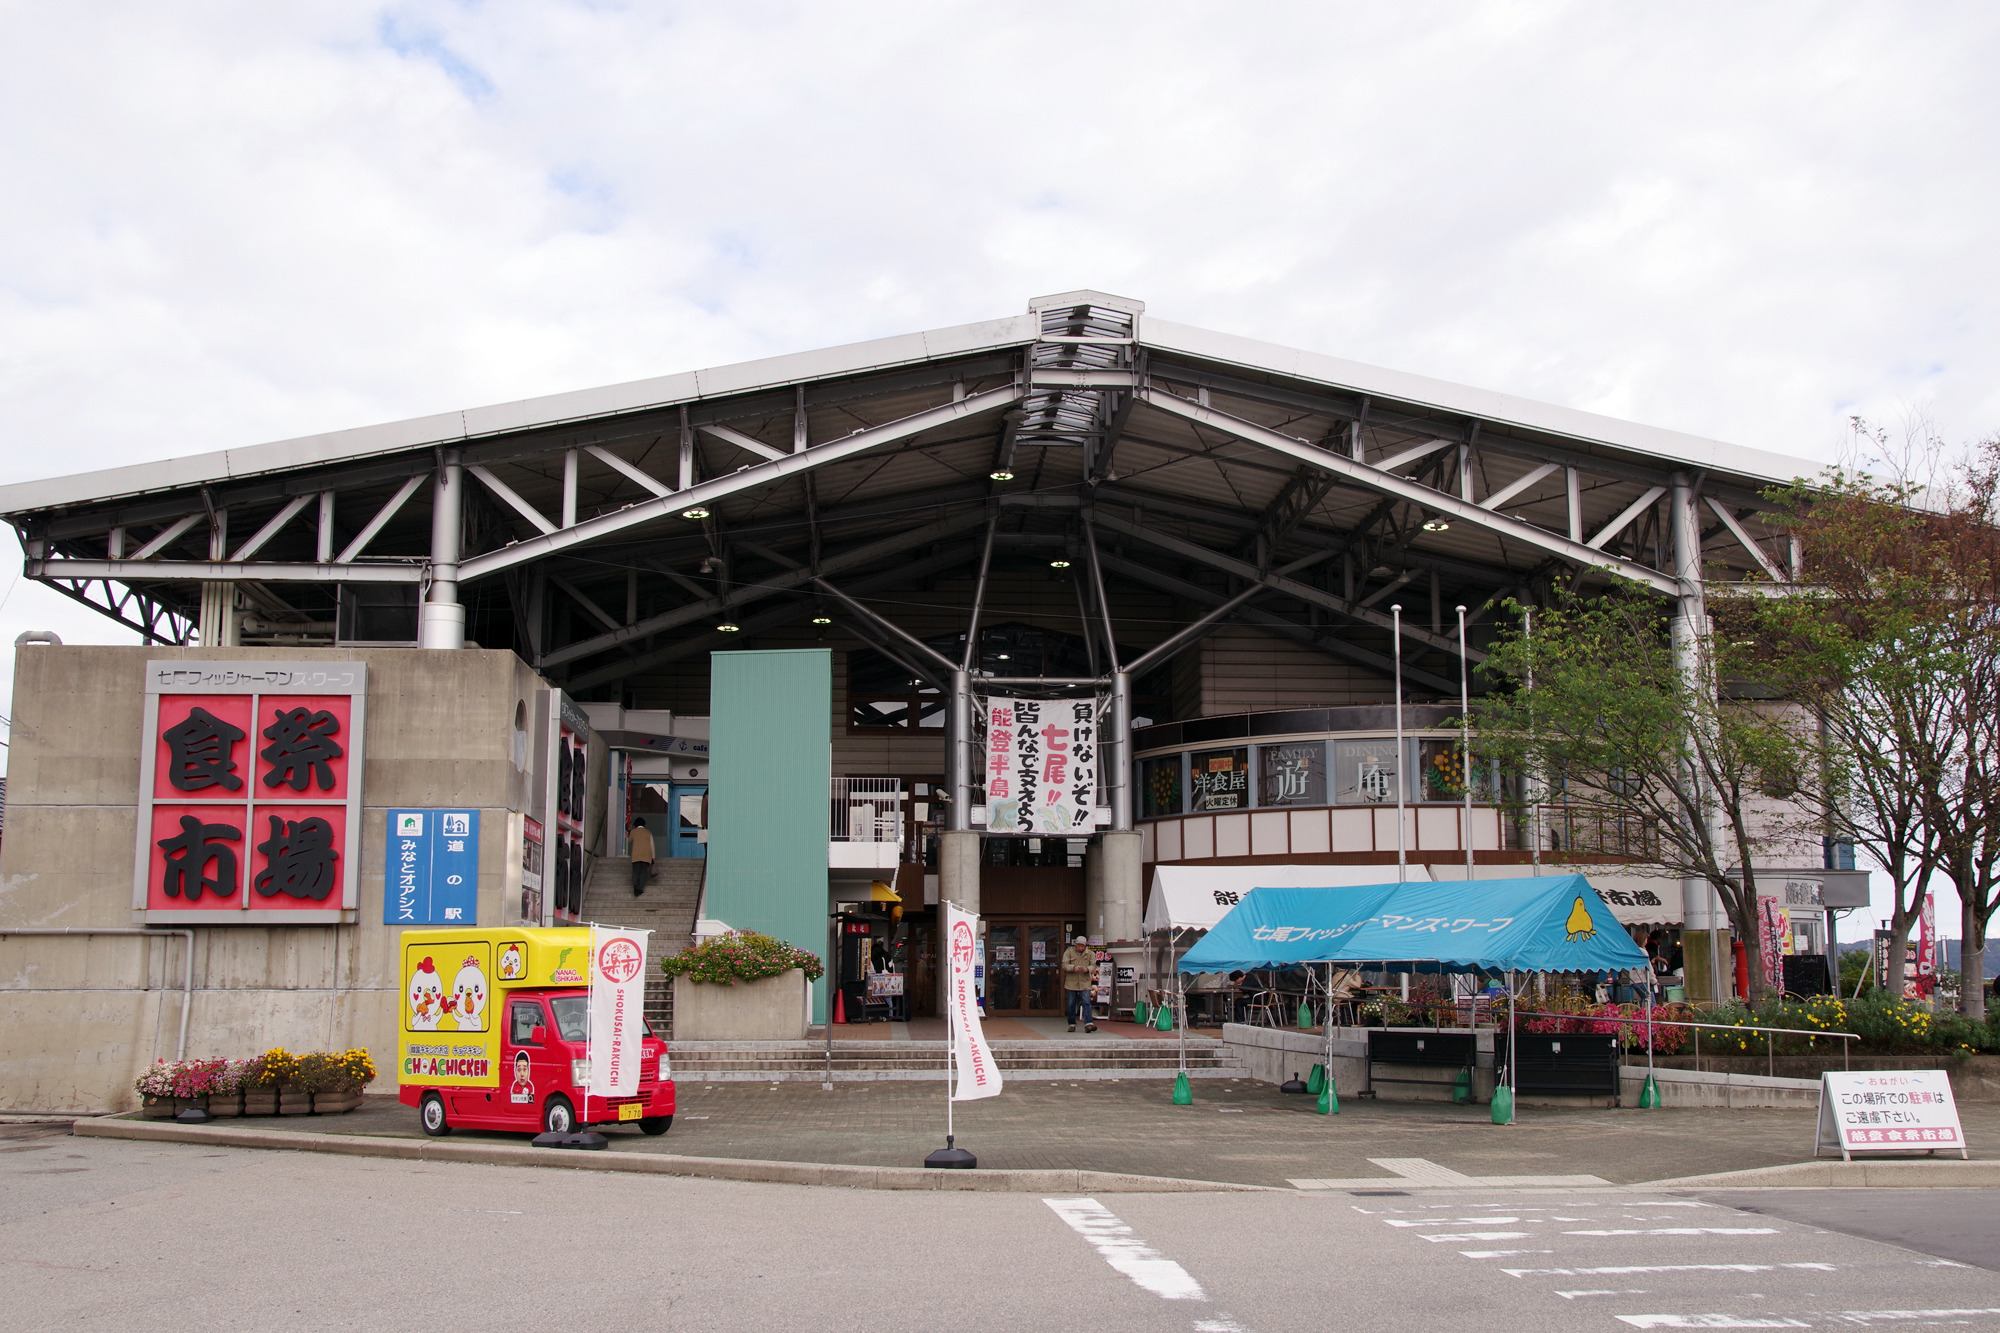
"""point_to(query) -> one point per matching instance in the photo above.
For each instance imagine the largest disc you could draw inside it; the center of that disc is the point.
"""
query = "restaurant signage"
(978, 1076)
(1888, 1110)
(249, 792)
(617, 1009)
(1041, 766)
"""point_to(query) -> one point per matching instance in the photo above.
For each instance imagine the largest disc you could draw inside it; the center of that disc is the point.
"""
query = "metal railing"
(1770, 1047)
(867, 810)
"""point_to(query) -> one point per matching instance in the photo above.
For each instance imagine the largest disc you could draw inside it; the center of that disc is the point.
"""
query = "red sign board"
(251, 793)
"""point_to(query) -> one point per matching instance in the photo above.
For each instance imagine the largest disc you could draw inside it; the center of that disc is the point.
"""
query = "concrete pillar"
(958, 882)
(1123, 895)
(958, 764)
(441, 620)
(1117, 769)
(1093, 888)
(1705, 923)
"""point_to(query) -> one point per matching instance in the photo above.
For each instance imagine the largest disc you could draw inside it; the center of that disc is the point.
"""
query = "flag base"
(588, 1140)
(952, 1159)
(194, 1115)
(1294, 1084)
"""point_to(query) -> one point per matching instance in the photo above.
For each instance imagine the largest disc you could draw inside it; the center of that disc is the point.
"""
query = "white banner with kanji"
(978, 1076)
(617, 1009)
(1041, 766)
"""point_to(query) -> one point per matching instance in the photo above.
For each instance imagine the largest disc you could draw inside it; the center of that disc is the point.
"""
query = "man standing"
(642, 858)
(1079, 969)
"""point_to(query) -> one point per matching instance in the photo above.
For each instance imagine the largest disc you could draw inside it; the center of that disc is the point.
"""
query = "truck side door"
(529, 1073)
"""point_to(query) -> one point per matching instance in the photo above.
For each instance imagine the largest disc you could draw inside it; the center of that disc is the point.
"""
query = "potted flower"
(156, 1092)
(225, 1088)
(741, 987)
(287, 1072)
(260, 1088)
(339, 1079)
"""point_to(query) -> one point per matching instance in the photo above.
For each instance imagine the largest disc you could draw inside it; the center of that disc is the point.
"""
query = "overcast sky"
(232, 223)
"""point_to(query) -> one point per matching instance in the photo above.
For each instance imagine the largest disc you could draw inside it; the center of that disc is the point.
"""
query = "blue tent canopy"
(1549, 923)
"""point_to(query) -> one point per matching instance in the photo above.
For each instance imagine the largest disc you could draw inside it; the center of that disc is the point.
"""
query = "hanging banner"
(617, 1009)
(1772, 921)
(1922, 978)
(978, 1076)
(1041, 766)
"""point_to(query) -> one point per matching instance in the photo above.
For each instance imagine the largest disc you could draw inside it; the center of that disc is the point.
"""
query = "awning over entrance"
(1196, 897)
(1554, 923)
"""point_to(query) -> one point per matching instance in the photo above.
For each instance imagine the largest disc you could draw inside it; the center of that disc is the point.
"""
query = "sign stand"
(1888, 1111)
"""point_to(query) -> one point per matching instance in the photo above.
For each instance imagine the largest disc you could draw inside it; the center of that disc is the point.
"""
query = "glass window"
(523, 1017)
(1365, 772)
(1219, 779)
(1160, 787)
(1293, 774)
(1441, 764)
(572, 1016)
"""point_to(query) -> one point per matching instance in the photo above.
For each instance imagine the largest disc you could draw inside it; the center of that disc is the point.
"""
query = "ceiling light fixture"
(1437, 525)
(696, 512)
(1001, 474)
(728, 627)
(1058, 564)
(822, 620)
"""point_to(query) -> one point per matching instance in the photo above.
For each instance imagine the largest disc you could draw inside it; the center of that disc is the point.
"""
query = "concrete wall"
(771, 1009)
(89, 1013)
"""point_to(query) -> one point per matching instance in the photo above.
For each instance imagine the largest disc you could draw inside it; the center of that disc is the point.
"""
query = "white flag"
(978, 1076)
(617, 1009)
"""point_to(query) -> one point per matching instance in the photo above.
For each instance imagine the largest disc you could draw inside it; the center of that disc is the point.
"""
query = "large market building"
(766, 609)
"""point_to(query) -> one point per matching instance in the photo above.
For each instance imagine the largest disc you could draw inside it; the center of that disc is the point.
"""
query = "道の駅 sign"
(1041, 766)
(430, 873)
(1888, 1110)
(249, 792)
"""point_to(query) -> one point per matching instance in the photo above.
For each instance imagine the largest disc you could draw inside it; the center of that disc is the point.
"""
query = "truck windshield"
(573, 1018)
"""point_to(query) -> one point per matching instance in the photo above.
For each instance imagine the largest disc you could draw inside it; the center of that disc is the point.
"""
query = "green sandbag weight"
(1316, 1081)
(1305, 1015)
(1329, 1101)
(1649, 1096)
(1461, 1091)
(1140, 1013)
(1183, 1093)
(1165, 1021)
(1503, 1105)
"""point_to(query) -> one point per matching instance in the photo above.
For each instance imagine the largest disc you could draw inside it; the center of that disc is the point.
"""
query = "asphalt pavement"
(1238, 1131)
(99, 1233)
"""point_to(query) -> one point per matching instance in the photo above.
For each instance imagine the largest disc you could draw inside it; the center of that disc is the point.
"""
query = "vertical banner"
(1041, 766)
(1922, 979)
(978, 1076)
(617, 1008)
(1771, 938)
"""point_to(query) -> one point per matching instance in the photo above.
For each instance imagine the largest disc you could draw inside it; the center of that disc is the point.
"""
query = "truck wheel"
(559, 1117)
(430, 1111)
(655, 1124)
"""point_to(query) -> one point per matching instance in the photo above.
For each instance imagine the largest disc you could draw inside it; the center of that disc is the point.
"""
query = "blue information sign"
(431, 874)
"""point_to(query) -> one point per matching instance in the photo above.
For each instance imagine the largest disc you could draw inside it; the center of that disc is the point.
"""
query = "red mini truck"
(495, 1034)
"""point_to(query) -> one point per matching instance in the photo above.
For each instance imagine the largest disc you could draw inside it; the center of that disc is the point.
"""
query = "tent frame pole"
(1402, 794)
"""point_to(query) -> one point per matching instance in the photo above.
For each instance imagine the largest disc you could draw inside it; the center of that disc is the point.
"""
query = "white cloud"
(231, 222)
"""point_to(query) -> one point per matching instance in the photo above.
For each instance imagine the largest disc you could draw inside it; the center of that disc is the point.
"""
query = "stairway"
(667, 908)
(859, 1061)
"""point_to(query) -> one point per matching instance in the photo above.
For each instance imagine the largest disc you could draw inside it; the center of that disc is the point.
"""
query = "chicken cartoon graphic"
(426, 998)
(467, 1001)
(1579, 926)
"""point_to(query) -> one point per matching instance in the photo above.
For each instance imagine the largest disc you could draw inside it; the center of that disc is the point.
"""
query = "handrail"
(187, 959)
(1770, 1047)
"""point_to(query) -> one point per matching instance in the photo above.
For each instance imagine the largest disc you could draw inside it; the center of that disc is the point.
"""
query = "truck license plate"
(631, 1110)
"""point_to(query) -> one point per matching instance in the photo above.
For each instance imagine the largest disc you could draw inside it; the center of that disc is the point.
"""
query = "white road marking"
(1475, 1235)
(1705, 1321)
(1625, 1270)
(1840, 1317)
(1114, 1242)
(1452, 1221)
(1499, 1254)
(1602, 1291)
(1678, 1231)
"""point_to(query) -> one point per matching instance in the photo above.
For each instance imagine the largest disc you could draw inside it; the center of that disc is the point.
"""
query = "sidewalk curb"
(1936, 1173)
(663, 1164)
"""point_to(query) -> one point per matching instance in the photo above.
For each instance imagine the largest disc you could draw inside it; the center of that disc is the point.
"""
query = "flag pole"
(1465, 737)
(1402, 851)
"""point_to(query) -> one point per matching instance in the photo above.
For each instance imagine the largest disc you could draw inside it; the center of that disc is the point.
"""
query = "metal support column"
(1689, 629)
(1118, 752)
(441, 620)
(958, 735)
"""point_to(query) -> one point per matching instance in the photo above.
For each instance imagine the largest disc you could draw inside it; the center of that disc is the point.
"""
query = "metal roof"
(1587, 429)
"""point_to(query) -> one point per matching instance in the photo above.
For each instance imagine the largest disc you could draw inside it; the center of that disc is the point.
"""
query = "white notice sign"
(1888, 1110)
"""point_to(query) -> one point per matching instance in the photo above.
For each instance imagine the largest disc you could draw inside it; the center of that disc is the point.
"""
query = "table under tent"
(1187, 901)
(1496, 929)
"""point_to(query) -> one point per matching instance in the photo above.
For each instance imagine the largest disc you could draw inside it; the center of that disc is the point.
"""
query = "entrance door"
(688, 815)
(1024, 968)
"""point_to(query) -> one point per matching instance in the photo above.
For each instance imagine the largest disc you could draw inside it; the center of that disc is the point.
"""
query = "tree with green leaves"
(1640, 750)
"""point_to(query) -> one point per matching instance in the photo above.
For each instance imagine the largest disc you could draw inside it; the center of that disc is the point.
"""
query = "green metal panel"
(770, 771)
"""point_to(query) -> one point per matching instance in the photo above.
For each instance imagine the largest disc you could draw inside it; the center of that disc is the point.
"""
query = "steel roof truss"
(1743, 539)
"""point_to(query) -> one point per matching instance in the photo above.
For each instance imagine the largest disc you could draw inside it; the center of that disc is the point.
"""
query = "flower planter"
(159, 1108)
(260, 1101)
(768, 1009)
(294, 1100)
(225, 1103)
(335, 1103)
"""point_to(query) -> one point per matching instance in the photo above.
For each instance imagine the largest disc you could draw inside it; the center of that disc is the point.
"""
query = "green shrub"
(728, 959)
